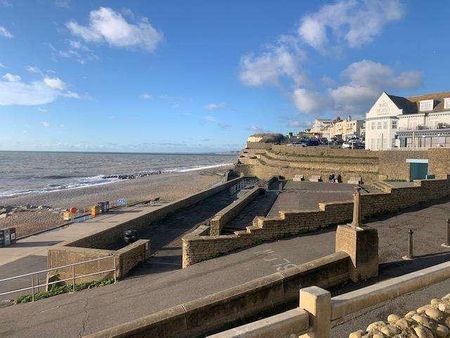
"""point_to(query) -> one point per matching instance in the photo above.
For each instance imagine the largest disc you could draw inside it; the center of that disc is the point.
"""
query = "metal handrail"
(73, 278)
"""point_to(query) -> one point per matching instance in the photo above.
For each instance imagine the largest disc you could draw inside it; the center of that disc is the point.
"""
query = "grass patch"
(60, 289)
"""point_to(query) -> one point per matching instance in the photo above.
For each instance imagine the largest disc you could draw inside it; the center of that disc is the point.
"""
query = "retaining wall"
(371, 165)
(227, 214)
(111, 235)
(197, 248)
(200, 316)
(125, 259)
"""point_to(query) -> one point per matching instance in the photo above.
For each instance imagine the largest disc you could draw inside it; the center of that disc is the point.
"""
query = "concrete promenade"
(92, 310)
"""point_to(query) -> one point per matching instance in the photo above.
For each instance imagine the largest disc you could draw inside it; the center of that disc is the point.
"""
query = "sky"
(201, 76)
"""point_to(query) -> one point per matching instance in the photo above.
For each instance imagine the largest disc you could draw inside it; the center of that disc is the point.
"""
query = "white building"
(412, 122)
(337, 128)
(320, 127)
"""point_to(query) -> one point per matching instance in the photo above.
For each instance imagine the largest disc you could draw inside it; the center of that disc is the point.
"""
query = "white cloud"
(146, 96)
(45, 124)
(5, 33)
(55, 83)
(62, 3)
(106, 25)
(215, 106)
(2, 65)
(32, 93)
(213, 120)
(11, 77)
(275, 62)
(366, 80)
(34, 70)
(357, 22)
(310, 102)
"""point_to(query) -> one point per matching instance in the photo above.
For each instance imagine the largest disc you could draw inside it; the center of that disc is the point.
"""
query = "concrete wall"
(200, 316)
(197, 248)
(126, 259)
(370, 165)
(112, 235)
(225, 215)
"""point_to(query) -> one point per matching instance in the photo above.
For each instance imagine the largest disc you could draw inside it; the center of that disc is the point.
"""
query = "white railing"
(34, 277)
(318, 309)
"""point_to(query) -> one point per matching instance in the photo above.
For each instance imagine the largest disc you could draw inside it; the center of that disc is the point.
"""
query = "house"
(409, 122)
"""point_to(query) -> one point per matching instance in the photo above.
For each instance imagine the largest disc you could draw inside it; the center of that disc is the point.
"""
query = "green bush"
(55, 290)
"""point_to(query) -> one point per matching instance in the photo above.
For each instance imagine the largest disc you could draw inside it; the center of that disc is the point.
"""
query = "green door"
(418, 171)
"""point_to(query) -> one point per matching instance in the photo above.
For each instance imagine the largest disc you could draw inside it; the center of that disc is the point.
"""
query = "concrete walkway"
(89, 311)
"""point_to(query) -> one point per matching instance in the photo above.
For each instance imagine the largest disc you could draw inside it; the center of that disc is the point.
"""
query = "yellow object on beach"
(96, 210)
(67, 216)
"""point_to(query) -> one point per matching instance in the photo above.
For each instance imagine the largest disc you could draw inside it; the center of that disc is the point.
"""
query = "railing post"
(115, 276)
(317, 302)
(32, 288)
(410, 246)
(447, 240)
(73, 278)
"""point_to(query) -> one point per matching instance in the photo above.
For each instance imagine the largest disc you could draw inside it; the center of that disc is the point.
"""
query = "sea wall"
(111, 235)
(201, 316)
(197, 246)
(370, 165)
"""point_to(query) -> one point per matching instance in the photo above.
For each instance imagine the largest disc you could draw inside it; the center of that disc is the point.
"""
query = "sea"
(23, 173)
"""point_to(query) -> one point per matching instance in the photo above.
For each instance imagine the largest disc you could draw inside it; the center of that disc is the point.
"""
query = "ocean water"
(39, 172)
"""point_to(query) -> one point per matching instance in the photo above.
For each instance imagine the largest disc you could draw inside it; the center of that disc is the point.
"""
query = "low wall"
(225, 215)
(197, 248)
(125, 259)
(111, 235)
(200, 316)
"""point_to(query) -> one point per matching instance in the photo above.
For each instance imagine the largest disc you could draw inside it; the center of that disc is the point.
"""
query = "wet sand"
(166, 187)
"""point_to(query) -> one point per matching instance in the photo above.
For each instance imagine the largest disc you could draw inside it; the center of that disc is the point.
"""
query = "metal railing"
(34, 277)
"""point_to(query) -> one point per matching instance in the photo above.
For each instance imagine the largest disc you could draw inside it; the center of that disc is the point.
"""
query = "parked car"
(313, 142)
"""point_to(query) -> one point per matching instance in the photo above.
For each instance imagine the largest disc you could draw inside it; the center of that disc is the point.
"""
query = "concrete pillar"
(317, 302)
(357, 208)
(361, 244)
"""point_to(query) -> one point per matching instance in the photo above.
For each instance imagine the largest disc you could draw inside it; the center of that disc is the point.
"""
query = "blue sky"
(181, 76)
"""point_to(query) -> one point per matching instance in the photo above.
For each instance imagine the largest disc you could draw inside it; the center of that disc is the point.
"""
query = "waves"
(55, 182)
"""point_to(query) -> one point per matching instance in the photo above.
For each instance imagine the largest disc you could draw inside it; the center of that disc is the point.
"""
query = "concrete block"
(315, 178)
(355, 180)
(317, 302)
(361, 244)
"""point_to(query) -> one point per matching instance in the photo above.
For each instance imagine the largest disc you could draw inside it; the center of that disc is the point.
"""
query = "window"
(447, 103)
(426, 105)
(394, 124)
(379, 125)
(385, 125)
(373, 126)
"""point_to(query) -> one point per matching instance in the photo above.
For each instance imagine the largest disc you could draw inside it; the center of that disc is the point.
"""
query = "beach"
(166, 187)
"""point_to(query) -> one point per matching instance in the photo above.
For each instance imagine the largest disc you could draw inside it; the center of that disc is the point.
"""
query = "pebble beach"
(46, 212)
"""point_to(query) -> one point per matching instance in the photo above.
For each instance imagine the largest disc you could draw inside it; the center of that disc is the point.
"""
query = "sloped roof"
(410, 105)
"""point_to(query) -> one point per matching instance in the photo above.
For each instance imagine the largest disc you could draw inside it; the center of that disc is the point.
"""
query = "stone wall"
(125, 259)
(370, 165)
(111, 235)
(225, 215)
(201, 316)
(197, 248)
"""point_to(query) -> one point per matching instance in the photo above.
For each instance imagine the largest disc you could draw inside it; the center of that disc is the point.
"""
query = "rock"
(422, 320)
(423, 332)
(422, 309)
(392, 318)
(442, 331)
(375, 326)
(402, 323)
(390, 330)
(410, 314)
(434, 314)
(356, 334)
(435, 301)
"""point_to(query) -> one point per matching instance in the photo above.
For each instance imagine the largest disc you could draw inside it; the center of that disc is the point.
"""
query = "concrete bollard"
(447, 242)
(410, 246)
(357, 208)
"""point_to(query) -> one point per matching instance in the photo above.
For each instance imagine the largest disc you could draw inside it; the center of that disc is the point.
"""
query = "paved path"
(92, 310)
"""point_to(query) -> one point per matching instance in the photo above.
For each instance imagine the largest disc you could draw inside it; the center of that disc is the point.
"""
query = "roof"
(410, 105)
